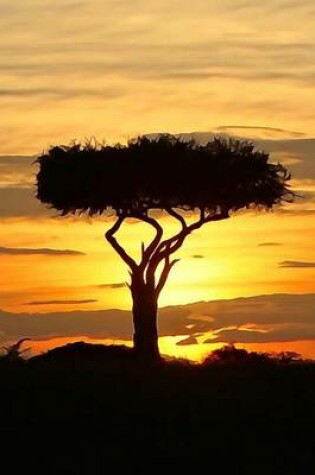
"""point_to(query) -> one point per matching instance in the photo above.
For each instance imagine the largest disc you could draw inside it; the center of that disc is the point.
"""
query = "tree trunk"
(144, 310)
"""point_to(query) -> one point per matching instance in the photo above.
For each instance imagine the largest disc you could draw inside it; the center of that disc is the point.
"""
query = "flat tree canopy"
(164, 172)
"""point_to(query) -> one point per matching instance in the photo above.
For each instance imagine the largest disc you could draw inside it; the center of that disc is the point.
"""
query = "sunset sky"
(114, 69)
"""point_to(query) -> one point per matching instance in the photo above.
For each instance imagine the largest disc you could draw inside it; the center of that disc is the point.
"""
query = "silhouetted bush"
(14, 351)
(87, 409)
(230, 355)
(86, 351)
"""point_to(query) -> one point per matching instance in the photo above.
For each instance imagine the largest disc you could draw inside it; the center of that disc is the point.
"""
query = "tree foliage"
(164, 172)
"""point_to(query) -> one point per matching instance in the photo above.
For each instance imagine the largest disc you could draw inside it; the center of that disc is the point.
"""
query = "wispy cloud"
(61, 93)
(17, 202)
(24, 251)
(123, 47)
(61, 302)
(115, 285)
(280, 317)
(282, 333)
(296, 264)
(17, 171)
(190, 340)
(253, 130)
(270, 244)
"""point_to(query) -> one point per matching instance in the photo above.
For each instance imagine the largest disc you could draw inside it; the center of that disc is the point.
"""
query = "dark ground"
(93, 409)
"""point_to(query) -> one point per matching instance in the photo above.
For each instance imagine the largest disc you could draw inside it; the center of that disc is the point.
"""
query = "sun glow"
(169, 346)
(115, 70)
(223, 260)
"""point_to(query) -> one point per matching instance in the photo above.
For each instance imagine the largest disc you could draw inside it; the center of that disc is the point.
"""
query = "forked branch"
(168, 265)
(159, 250)
(110, 236)
(177, 216)
(147, 252)
(171, 245)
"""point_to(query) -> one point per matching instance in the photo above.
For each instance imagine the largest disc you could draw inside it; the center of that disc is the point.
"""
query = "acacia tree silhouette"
(164, 173)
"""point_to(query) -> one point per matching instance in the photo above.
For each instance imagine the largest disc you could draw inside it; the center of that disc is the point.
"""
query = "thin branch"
(157, 250)
(168, 265)
(177, 216)
(223, 214)
(182, 221)
(146, 253)
(171, 245)
(202, 214)
(196, 225)
(109, 235)
(176, 241)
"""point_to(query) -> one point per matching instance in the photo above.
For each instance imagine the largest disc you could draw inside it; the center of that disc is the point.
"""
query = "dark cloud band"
(23, 251)
(116, 285)
(61, 302)
(297, 264)
(279, 317)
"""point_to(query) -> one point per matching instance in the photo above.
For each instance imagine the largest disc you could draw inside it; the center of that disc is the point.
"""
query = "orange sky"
(233, 262)
(109, 69)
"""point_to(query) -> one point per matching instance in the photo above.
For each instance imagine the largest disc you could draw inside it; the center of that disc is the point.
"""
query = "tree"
(163, 173)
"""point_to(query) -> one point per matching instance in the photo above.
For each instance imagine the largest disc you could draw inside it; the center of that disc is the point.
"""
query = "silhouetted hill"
(84, 351)
(89, 409)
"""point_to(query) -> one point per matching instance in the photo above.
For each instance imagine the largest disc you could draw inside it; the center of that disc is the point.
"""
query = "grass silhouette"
(86, 407)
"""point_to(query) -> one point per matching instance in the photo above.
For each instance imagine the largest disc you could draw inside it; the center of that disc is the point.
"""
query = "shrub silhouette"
(81, 353)
(288, 357)
(86, 409)
(14, 351)
(229, 354)
(164, 173)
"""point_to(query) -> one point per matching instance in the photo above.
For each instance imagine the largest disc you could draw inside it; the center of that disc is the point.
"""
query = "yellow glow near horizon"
(169, 346)
(229, 262)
